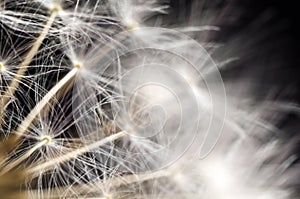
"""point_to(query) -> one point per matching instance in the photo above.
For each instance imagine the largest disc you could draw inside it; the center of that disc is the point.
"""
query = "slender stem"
(94, 188)
(25, 64)
(73, 154)
(23, 157)
(130, 179)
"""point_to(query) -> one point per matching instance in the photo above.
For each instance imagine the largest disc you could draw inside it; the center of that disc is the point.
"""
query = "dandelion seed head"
(127, 105)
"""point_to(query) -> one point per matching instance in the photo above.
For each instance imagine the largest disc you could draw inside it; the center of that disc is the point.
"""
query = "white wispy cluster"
(100, 105)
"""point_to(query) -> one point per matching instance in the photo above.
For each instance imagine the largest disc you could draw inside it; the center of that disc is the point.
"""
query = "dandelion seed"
(96, 104)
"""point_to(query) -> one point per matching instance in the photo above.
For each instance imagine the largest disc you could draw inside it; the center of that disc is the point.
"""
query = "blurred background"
(265, 37)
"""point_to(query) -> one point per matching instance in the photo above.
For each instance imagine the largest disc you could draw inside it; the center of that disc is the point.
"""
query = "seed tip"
(107, 196)
(77, 65)
(2, 68)
(131, 24)
(56, 8)
(47, 138)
